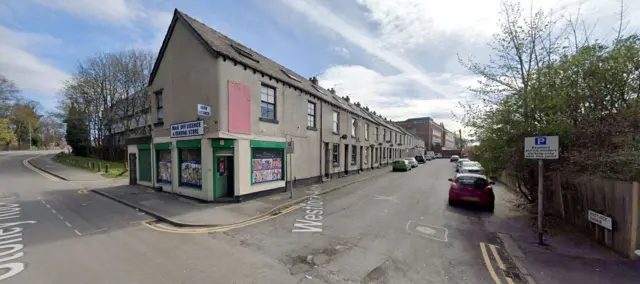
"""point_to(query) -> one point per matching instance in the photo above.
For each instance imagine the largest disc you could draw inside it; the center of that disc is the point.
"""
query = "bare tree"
(101, 87)
(8, 92)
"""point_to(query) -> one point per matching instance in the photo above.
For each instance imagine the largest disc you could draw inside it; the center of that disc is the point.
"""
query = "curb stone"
(516, 255)
(44, 170)
(195, 225)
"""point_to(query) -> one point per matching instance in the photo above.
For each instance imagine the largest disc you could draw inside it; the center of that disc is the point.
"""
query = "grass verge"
(115, 169)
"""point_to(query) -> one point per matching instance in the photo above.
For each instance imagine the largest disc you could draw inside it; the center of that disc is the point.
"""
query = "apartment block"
(435, 135)
(229, 123)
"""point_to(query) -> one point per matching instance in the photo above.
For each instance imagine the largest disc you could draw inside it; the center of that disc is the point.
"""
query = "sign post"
(541, 148)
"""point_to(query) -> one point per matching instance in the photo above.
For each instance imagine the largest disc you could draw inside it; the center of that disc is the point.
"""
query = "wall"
(187, 76)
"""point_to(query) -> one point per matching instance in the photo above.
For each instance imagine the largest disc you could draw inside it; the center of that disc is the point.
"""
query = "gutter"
(322, 157)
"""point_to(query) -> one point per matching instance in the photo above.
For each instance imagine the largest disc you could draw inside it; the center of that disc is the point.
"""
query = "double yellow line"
(42, 173)
(487, 262)
(168, 229)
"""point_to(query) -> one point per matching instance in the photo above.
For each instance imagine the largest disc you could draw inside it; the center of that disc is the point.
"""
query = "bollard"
(106, 168)
(98, 167)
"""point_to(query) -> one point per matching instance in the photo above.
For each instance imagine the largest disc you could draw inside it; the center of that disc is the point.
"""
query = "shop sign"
(187, 129)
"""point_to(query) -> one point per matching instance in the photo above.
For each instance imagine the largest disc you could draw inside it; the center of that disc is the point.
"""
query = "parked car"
(421, 159)
(429, 158)
(473, 188)
(471, 167)
(401, 165)
(413, 162)
(454, 158)
(438, 156)
(459, 163)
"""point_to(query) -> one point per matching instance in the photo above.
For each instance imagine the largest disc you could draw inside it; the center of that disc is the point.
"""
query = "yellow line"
(487, 262)
(164, 228)
(498, 260)
(47, 176)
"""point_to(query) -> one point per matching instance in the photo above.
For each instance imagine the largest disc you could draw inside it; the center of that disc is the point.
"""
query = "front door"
(346, 159)
(223, 176)
(361, 159)
(327, 159)
(133, 169)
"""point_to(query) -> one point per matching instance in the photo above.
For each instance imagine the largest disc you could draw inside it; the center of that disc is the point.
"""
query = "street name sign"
(204, 110)
(600, 219)
(541, 147)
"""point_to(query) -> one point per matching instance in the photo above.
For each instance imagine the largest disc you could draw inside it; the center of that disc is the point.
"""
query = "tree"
(8, 92)
(25, 120)
(51, 129)
(7, 138)
(77, 135)
(100, 88)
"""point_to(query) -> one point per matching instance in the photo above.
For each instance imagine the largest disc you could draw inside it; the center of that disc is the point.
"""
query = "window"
(159, 106)
(376, 154)
(384, 153)
(336, 122)
(377, 134)
(335, 154)
(366, 155)
(268, 102)
(353, 127)
(384, 135)
(244, 53)
(190, 168)
(319, 90)
(366, 131)
(291, 75)
(164, 166)
(311, 115)
(266, 165)
(354, 154)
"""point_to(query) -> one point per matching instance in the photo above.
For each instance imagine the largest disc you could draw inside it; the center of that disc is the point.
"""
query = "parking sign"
(541, 148)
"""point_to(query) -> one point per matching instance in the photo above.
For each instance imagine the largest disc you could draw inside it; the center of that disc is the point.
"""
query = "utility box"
(289, 147)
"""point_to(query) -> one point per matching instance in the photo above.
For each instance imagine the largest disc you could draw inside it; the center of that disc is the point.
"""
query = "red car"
(473, 188)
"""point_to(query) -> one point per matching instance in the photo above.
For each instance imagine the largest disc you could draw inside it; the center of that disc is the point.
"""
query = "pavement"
(395, 228)
(181, 211)
(47, 164)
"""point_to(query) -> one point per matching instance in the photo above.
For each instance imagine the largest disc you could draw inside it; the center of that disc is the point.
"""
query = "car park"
(401, 165)
(473, 188)
(413, 162)
(454, 158)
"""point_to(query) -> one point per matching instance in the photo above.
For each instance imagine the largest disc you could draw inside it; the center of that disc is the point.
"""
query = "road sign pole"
(540, 200)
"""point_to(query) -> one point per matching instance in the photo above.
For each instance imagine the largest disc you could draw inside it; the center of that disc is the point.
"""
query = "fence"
(571, 198)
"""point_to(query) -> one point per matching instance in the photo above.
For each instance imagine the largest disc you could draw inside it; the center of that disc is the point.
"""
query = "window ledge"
(158, 123)
(312, 128)
(269, 120)
(336, 165)
(335, 133)
(353, 163)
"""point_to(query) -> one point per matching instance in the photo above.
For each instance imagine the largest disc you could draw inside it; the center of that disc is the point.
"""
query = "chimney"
(347, 99)
(358, 104)
(314, 80)
(332, 90)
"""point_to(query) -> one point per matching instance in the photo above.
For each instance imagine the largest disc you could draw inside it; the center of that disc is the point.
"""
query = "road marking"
(61, 218)
(313, 216)
(487, 262)
(54, 211)
(88, 233)
(393, 199)
(42, 173)
(430, 231)
(68, 225)
(9, 247)
(78, 233)
(497, 257)
(48, 206)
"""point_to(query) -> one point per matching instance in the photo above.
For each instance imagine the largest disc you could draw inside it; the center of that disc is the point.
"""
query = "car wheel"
(491, 207)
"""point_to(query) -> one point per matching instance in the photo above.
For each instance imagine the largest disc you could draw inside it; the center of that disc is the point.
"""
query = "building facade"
(229, 123)
(435, 136)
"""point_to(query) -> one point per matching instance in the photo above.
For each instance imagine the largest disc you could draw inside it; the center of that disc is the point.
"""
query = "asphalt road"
(394, 229)
(62, 234)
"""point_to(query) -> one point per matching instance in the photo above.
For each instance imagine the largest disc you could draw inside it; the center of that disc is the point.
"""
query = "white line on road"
(61, 218)
(69, 225)
(54, 211)
(87, 233)
(48, 206)
(77, 232)
(43, 202)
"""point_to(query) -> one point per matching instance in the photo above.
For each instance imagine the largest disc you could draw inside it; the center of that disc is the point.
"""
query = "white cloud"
(388, 96)
(341, 51)
(30, 72)
(112, 11)
(322, 16)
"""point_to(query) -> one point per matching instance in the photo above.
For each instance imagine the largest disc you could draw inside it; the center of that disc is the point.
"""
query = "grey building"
(253, 111)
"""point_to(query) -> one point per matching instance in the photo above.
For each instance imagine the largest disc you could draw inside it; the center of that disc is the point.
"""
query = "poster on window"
(191, 174)
(164, 171)
(266, 165)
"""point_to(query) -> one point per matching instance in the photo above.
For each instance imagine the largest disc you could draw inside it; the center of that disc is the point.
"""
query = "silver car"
(471, 167)
(459, 163)
(413, 162)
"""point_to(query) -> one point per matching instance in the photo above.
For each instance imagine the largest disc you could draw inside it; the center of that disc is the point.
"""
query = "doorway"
(327, 159)
(133, 169)
(361, 159)
(223, 177)
(346, 159)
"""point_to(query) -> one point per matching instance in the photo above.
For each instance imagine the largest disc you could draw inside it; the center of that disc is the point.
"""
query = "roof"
(471, 175)
(221, 45)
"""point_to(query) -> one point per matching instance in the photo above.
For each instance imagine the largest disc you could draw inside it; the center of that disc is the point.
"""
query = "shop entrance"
(223, 178)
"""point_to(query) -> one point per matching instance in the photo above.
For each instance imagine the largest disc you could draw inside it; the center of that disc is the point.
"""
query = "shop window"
(266, 165)
(354, 154)
(164, 166)
(190, 168)
(336, 155)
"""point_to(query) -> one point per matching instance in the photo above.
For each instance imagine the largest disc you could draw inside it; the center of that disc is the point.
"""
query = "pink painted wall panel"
(239, 108)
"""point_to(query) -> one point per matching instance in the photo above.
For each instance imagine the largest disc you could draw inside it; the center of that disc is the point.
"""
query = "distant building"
(435, 136)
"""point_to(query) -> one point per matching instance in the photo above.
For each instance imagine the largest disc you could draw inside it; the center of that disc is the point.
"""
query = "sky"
(399, 57)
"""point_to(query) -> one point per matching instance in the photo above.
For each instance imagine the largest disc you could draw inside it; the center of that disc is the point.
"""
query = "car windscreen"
(468, 180)
(470, 164)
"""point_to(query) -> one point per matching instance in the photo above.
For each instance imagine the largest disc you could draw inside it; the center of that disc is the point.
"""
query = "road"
(63, 235)
(392, 229)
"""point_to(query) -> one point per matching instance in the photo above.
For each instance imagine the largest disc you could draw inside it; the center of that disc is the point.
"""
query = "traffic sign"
(541, 147)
